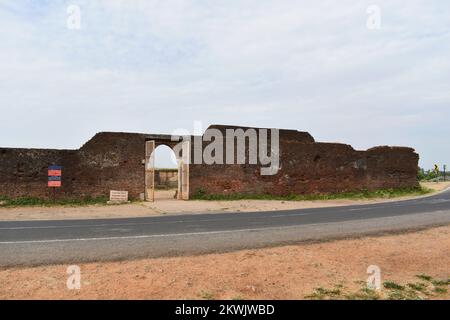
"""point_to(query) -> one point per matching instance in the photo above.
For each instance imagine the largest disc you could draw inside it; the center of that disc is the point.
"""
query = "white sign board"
(118, 196)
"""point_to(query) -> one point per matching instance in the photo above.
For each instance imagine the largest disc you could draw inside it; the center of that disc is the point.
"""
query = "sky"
(159, 66)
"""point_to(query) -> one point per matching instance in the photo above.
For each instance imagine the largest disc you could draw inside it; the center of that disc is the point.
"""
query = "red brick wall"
(109, 161)
(114, 161)
(309, 167)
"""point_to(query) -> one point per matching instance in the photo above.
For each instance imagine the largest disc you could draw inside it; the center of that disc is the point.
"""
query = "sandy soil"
(437, 186)
(166, 204)
(289, 272)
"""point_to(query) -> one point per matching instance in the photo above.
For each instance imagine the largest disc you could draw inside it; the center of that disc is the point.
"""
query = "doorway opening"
(166, 174)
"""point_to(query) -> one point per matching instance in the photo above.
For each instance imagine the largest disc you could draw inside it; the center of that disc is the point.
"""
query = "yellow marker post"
(436, 171)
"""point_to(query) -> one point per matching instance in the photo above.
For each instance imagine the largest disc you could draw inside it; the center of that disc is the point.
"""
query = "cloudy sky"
(157, 66)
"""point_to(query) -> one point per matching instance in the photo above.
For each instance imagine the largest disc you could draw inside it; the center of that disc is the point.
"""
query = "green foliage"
(393, 285)
(201, 194)
(430, 175)
(440, 282)
(424, 277)
(322, 293)
(440, 290)
(364, 293)
(432, 288)
(439, 286)
(206, 295)
(419, 286)
(37, 202)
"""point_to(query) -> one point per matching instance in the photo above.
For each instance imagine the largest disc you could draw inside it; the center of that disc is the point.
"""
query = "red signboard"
(54, 173)
(54, 184)
(54, 176)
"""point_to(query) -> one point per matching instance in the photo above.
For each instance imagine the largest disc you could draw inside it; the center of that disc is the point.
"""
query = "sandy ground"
(289, 272)
(166, 204)
(437, 186)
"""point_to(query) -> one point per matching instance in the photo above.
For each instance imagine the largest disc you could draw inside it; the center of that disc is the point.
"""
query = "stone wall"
(113, 161)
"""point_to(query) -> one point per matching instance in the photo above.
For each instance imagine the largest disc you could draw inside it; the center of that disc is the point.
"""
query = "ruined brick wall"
(109, 161)
(113, 161)
(23, 172)
(309, 167)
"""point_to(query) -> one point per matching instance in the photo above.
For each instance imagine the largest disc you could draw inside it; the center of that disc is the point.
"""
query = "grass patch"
(424, 277)
(364, 293)
(430, 289)
(439, 283)
(440, 290)
(392, 285)
(206, 295)
(434, 282)
(326, 294)
(419, 287)
(201, 194)
(403, 295)
(37, 202)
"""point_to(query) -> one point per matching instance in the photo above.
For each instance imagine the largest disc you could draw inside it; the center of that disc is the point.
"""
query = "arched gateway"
(182, 157)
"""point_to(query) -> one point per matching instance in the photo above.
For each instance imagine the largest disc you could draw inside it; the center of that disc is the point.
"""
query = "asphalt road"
(74, 241)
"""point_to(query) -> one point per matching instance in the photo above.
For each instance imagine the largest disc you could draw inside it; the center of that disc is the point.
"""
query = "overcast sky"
(156, 66)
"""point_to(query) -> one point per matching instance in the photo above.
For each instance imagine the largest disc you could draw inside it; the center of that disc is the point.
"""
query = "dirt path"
(289, 272)
(166, 204)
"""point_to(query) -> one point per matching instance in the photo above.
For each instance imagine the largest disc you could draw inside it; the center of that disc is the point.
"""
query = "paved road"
(72, 241)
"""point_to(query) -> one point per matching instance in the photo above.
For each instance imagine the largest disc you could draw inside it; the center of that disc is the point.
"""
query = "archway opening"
(166, 173)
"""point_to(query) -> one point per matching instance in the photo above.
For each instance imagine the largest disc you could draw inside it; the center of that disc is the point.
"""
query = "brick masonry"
(113, 161)
(109, 161)
(309, 167)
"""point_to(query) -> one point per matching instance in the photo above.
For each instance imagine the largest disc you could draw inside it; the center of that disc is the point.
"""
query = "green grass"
(438, 283)
(200, 194)
(424, 277)
(440, 290)
(37, 202)
(419, 286)
(430, 289)
(364, 293)
(403, 295)
(392, 285)
(338, 293)
(206, 295)
(323, 294)
(434, 282)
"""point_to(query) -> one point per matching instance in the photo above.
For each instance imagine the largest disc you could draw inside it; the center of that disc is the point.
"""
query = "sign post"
(445, 169)
(54, 179)
(436, 171)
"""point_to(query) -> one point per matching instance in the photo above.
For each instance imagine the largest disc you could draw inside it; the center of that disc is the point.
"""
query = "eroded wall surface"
(109, 161)
(309, 167)
(113, 161)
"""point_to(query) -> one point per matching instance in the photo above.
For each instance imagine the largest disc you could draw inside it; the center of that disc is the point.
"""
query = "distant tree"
(426, 175)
